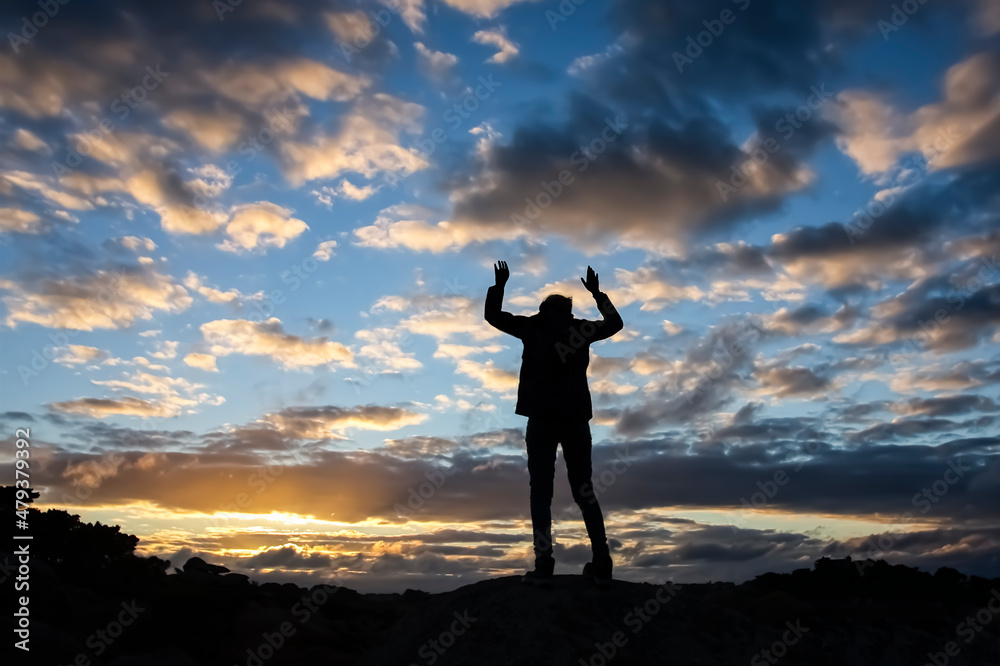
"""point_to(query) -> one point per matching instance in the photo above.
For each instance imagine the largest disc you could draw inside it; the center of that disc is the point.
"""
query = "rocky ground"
(826, 615)
(93, 601)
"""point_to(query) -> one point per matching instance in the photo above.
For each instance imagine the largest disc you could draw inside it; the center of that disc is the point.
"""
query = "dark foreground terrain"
(94, 602)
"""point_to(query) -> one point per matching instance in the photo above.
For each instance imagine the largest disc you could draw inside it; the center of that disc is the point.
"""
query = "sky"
(245, 248)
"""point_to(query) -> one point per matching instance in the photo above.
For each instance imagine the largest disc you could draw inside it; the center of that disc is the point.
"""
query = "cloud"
(204, 362)
(961, 129)
(162, 191)
(20, 221)
(46, 187)
(98, 408)
(952, 377)
(267, 86)
(345, 190)
(950, 405)
(165, 349)
(175, 395)
(453, 351)
(937, 323)
(693, 388)
(784, 381)
(482, 8)
(239, 336)
(28, 140)
(216, 130)
(81, 354)
(382, 348)
(450, 316)
(367, 142)
(112, 297)
(195, 283)
(437, 64)
(330, 421)
(988, 19)
(421, 236)
(604, 175)
(808, 319)
(491, 377)
(324, 251)
(260, 225)
(350, 191)
(498, 38)
(412, 12)
(137, 243)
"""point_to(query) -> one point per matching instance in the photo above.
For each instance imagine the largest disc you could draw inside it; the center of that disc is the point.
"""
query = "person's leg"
(541, 444)
(577, 446)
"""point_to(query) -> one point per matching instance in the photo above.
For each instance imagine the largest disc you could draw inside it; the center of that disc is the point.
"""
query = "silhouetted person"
(553, 393)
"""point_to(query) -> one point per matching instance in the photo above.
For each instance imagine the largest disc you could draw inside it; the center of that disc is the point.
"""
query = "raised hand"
(501, 273)
(591, 283)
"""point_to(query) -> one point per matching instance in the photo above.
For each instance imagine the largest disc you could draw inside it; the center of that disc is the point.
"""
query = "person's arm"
(610, 322)
(495, 316)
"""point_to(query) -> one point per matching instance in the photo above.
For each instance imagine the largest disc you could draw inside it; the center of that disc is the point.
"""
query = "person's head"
(557, 306)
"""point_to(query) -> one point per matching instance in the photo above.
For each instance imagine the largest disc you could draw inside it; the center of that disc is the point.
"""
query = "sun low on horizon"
(245, 250)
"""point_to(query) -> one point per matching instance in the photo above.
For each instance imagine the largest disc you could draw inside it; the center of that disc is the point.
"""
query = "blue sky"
(194, 291)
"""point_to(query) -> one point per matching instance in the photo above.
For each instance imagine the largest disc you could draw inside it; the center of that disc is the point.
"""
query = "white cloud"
(136, 243)
(411, 11)
(482, 8)
(194, 282)
(215, 130)
(45, 187)
(103, 299)
(324, 251)
(491, 377)
(453, 351)
(102, 407)
(498, 38)
(71, 355)
(264, 86)
(20, 221)
(165, 350)
(382, 348)
(367, 143)
(423, 236)
(240, 336)
(330, 422)
(437, 63)
(260, 225)
(204, 362)
(945, 133)
(28, 140)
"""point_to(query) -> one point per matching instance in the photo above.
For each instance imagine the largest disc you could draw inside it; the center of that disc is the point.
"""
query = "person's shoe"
(599, 570)
(541, 575)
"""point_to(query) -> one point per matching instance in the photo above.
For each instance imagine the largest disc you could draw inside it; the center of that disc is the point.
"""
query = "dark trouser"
(542, 436)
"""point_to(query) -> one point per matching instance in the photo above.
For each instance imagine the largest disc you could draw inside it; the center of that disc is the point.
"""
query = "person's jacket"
(553, 379)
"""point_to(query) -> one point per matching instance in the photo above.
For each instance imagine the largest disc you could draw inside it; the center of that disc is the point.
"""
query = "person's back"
(553, 378)
(553, 393)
